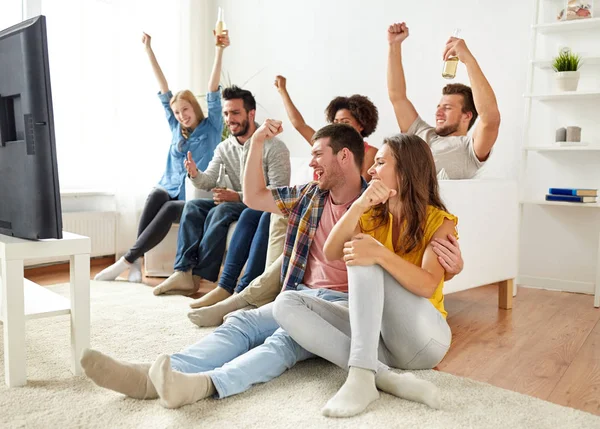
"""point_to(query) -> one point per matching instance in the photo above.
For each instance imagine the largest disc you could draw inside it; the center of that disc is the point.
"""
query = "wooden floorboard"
(579, 387)
(547, 346)
(538, 368)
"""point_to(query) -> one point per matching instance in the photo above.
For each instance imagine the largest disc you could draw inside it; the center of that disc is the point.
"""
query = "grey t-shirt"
(453, 155)
(232, 154)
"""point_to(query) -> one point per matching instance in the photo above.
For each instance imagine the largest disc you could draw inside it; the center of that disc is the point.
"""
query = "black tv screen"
(29, 190)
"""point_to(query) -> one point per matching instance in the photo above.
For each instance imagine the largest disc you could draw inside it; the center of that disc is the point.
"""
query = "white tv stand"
(22, 299)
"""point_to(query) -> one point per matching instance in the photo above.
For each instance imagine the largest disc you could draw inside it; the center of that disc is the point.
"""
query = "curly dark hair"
(363, 110)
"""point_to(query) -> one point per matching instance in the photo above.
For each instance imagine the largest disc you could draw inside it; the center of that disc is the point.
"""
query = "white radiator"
(101, 227)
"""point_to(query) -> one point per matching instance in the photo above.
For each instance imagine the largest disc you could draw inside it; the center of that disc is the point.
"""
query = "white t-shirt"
(453, 155)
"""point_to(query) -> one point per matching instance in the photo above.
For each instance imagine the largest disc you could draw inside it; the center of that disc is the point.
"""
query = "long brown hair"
(188, 96)
(417, 188)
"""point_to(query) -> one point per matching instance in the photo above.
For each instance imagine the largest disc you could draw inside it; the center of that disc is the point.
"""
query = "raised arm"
(486, 131)
(256, 194)
(160, 77)
(222, 42)
(403, 108)
(348, 226)
(293, 114)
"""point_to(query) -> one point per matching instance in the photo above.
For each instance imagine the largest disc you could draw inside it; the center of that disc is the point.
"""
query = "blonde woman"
(193, 135)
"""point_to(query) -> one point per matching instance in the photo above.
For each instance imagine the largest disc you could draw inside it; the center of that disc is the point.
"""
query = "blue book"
(570, 198)
(574, 192)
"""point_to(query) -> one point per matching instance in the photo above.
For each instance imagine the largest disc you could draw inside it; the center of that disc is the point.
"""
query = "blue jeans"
(248, 348)
(248, 243)
(202, 236)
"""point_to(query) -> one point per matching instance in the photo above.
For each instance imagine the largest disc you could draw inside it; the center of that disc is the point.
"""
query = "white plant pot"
(567, 81)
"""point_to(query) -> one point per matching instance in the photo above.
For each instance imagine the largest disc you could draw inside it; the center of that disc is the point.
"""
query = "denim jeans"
(203, 235)
(248, 243)
(384, 324)
(248, 348)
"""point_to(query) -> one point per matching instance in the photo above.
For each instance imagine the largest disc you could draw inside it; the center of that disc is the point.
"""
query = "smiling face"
(325, 164)
(449, 117)
(384, 168)
(343, 116)
(184, 113)
(236, 117)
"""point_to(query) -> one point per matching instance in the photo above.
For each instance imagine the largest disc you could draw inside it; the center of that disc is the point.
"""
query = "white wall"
(330, 48)
(10, 13)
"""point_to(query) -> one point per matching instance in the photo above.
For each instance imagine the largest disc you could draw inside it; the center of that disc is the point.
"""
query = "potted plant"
(566, 66)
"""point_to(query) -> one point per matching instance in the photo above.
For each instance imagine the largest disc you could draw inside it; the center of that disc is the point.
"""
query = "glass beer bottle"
(451, 64)
(220, 27)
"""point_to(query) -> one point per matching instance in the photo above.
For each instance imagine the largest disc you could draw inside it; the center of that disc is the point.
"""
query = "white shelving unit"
(543, 103)
(558, 148)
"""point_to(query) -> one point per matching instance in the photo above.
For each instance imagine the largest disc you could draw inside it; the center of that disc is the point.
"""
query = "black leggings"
(160, 212)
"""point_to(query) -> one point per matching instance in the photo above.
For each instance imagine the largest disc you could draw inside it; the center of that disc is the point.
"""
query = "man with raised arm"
(456, 154)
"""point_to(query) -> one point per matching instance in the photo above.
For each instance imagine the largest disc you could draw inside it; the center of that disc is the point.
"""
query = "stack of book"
(571, 195)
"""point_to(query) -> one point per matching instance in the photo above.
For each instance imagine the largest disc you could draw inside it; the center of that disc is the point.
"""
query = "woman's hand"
(362, 250)
(146, 39)
(222, 40)
(377, 193)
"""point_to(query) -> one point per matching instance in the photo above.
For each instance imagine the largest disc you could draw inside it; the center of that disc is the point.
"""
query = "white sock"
(177, 389)
(112, 272)
(354, 396)
(135, 272)
(407, 386)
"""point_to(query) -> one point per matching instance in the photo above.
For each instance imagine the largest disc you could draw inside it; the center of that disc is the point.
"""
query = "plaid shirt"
(303, 206)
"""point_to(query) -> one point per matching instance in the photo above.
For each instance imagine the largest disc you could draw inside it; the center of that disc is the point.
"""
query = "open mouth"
(318, 174)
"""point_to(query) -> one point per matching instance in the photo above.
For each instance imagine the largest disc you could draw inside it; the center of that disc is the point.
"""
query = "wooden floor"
(547, 346)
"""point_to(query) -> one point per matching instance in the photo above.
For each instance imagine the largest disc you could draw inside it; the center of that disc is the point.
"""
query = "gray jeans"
(384, 324)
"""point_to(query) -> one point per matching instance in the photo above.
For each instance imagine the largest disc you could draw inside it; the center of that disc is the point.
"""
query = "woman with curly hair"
(357, 111)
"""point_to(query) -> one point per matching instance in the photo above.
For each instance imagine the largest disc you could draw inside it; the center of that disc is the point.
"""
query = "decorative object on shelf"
(576, 9)
(566, 65)
(561, 135)
(573, 134)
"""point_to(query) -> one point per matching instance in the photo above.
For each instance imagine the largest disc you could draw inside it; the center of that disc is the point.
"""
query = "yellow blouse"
(383, 234)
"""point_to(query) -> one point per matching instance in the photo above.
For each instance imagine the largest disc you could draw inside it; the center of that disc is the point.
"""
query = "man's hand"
(190, 165)
(457, 48)
(361, 250)
(225, 196)
(397, 33)
(146, 39)
(222, 41)
(280, 83)
(269, 129)
(376, 193)
(449, 255)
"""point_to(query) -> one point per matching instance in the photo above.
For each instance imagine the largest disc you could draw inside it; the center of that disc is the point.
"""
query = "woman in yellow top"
(395, 315)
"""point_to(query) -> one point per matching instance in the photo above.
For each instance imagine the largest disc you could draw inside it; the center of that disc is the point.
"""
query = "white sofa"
(487, 213)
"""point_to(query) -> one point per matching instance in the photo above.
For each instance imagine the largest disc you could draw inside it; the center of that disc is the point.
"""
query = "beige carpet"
(130, 323)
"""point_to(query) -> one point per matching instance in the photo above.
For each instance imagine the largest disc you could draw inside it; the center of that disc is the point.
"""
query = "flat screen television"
(29, 190)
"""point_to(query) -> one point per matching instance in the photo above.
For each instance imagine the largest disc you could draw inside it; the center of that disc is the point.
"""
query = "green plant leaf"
(566, 61)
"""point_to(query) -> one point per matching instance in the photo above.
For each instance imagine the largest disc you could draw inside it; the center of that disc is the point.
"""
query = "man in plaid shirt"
(250, 347)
